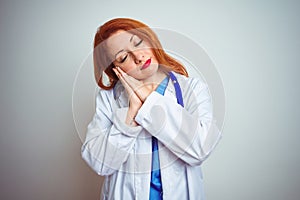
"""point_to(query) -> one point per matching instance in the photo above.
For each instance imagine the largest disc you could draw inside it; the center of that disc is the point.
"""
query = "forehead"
(118, 41)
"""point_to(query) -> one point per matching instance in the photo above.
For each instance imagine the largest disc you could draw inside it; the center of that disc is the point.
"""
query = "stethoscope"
(177, 89)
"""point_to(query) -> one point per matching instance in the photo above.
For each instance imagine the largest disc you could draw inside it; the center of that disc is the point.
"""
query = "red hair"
(100, 54)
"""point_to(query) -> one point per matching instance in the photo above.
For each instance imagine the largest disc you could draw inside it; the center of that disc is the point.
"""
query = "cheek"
(128, 67)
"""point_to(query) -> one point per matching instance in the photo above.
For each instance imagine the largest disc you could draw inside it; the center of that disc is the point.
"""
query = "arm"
(109, 139)
(188, 132)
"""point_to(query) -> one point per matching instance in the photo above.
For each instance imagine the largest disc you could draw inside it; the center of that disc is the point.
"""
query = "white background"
(254, 44)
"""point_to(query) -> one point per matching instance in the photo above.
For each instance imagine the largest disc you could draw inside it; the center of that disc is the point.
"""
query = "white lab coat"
(123, 154)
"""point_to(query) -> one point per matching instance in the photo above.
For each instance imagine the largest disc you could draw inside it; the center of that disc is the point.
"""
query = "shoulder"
(104, 97)
(195, 92)
(116, 96)
(190, 83)
(113, 93)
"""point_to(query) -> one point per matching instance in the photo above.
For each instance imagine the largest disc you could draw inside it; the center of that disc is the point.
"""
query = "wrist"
(134, 107)
(144, 92)
(132, 112)
(130, 120)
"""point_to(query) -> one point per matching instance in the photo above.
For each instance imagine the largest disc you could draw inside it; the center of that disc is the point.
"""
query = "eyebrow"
(131, 38)
(123, 49)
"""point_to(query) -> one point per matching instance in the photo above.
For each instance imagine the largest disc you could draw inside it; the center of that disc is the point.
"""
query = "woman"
(153, 126)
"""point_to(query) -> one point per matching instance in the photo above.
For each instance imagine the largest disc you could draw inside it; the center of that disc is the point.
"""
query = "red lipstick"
(146, 64)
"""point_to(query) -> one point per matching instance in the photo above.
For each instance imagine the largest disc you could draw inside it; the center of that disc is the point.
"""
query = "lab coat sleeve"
(109, 140)
(190, 131)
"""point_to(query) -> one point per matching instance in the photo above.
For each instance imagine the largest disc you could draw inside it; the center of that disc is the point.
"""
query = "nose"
(138, 56)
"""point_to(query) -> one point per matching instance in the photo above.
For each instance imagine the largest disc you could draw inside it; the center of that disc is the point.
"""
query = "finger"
(131, 94)
(120, 75)
(125, 77)
(116, 72)
(120, 71)
(134, 83)
(123, 81)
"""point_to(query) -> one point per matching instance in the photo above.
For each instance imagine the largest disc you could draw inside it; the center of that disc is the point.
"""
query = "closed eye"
(140, 42)
(123, 60)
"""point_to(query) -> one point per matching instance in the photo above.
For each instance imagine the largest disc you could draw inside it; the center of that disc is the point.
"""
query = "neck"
(156, 79)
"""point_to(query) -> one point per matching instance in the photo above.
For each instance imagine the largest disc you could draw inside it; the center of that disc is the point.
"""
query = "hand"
(140, 89)
(134, 100)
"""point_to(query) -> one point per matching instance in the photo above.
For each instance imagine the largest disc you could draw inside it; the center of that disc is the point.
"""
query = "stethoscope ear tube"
(177, 89)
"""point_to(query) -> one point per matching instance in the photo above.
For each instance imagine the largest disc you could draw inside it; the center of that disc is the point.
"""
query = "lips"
(146, 64)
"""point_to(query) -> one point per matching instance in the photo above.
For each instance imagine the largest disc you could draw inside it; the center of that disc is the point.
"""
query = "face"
(132, 54)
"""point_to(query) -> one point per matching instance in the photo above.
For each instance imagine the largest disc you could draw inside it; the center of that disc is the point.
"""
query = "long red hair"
(101, 58)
